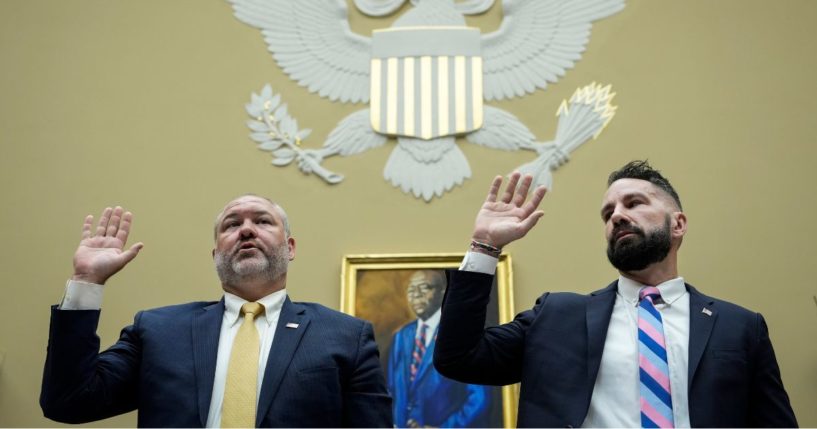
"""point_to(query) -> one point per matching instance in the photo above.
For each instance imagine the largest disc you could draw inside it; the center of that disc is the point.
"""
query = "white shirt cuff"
(479, 263)
(81, 296)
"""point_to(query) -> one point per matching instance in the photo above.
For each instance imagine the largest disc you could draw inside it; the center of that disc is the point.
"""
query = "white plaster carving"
(537, 42)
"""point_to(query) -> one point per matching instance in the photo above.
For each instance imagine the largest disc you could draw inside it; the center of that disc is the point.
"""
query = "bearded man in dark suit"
(253, 359)
(648, 350)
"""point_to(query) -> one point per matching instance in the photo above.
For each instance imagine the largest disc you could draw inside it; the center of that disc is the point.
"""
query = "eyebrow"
(235, 215)
(627, 196)
(419, 284)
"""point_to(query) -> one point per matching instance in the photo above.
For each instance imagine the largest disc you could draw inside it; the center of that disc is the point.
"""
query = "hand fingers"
(536, 199)
(86, 227)
(131, 253)
(531, 220)
(494, 189)
(509, 191)
(103, 221)
(124, 227)
(113, 223)
(522, 192)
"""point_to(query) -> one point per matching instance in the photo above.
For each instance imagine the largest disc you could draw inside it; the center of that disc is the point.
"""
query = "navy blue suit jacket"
(325, 372)
(555, 350)
(431, 399)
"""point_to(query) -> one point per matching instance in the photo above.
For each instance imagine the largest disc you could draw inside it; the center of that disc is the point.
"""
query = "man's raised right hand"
(101, 254)
(504, 219)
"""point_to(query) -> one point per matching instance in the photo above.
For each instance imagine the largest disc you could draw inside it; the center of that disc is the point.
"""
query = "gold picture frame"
(380, 279)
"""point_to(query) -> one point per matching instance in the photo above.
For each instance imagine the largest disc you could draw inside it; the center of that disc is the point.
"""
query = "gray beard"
(233, 271)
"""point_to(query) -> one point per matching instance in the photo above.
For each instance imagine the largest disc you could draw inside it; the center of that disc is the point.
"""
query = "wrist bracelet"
(487, 248)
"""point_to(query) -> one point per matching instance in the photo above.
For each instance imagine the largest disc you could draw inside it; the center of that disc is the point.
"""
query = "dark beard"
(637, 252)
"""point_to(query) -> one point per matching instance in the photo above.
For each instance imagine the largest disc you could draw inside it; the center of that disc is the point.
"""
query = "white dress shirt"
(616, 395)
(432, 323)
(229, 328)
(88, 296)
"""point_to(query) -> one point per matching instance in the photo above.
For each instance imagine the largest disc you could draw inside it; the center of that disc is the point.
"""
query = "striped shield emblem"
(426, 81)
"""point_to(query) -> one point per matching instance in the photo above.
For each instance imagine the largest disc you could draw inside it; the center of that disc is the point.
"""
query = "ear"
(214, 253)
(679, 225)
(291, 246)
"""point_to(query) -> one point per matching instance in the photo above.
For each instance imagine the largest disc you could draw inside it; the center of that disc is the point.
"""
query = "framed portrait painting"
(401, 295)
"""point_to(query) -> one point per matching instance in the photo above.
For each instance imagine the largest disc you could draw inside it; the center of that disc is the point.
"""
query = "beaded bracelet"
(485, 247)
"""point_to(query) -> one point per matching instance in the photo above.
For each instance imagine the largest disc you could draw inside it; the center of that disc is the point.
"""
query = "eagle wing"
(312, 42)
(537, 42)
(353, 135)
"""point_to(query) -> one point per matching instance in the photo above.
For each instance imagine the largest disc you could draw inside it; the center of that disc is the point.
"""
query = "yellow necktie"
(238, 409)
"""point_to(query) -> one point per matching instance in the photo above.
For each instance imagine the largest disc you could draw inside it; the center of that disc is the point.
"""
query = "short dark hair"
(643, 171)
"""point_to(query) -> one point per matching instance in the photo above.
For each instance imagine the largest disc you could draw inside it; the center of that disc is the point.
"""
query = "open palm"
(102, 253)
(503, 220)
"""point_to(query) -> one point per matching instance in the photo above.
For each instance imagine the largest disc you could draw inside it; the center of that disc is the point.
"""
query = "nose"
(618, 217)
(247, 229)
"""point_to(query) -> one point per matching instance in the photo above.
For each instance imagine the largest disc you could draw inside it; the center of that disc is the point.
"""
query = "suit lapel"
(283, 347)
(702, 315)
(408, 345)
(206, 331)
(599, 312)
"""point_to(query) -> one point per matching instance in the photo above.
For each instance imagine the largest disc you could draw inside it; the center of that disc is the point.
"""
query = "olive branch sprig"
(276, 131)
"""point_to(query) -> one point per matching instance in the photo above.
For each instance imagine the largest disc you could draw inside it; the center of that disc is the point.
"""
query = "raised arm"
(79, 383)
(101, 252)
(504, 219)
(465, 351)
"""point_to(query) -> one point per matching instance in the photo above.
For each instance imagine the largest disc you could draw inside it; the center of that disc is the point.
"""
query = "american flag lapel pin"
(706, 311)
(292, 325)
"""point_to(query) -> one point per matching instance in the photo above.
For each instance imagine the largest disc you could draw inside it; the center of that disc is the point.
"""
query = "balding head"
(245, 197)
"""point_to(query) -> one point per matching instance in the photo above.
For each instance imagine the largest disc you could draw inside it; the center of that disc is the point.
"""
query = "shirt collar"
(272, 306)
(670, 290)
(432, 321)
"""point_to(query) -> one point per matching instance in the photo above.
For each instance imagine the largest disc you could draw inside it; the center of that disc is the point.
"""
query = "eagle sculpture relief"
(425, 80)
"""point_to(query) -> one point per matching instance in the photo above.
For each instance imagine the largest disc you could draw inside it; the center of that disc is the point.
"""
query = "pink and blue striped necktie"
(418, 352)
(653, 370)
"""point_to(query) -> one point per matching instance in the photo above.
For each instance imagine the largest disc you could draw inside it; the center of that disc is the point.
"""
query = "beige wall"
(141, 104)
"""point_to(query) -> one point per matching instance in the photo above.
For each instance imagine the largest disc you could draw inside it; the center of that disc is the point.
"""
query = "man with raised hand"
(252, 359)
(648, 350)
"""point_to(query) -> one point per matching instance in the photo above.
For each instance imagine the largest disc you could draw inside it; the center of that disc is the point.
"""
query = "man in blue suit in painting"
(423, 397)
(252, 359)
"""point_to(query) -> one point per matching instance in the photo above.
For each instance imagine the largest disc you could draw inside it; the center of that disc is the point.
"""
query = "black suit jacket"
(325, 372)
(555, 350)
